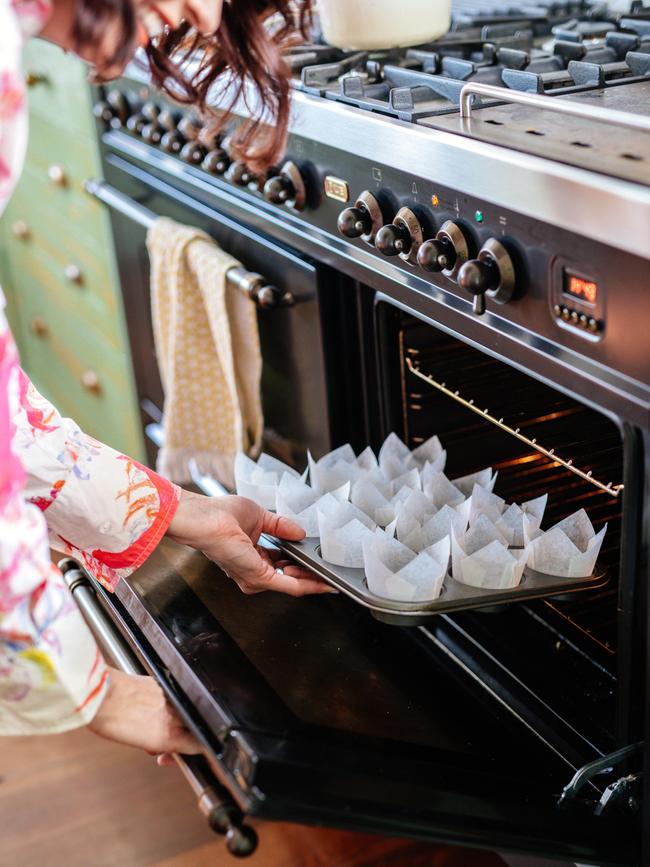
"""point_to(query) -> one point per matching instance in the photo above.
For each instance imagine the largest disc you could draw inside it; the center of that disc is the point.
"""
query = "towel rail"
(259, 290)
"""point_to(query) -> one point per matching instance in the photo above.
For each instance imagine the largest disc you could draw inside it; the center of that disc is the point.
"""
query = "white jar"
(373, 24)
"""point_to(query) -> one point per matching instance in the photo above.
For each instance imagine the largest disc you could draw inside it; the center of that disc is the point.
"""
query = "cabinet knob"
(73, 273)
(21, 230)
(57, 175)
(34, 78)
(39, 326)
(90, 381)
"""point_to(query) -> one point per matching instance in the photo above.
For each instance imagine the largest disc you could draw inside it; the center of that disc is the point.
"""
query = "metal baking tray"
(454, 596)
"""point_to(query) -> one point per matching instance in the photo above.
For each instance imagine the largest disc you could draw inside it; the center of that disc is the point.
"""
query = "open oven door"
(313, 712)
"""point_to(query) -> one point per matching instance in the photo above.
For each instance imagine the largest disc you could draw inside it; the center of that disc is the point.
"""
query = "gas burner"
(589, 47)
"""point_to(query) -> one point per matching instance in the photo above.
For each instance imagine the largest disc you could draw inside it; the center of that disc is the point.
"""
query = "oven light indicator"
(578, 287)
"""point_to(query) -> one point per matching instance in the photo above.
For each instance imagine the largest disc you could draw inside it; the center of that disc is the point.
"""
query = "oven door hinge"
(622, 794)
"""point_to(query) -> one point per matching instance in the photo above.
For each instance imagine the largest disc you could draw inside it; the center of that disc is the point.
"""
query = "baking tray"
(454, 596)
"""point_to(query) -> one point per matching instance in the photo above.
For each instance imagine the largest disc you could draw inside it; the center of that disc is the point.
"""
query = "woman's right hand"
(136, 713)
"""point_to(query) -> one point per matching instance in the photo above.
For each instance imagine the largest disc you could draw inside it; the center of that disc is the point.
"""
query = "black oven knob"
(363, 221)
(136, 123)
(103, 111)
(216, 162)
(172, 142)
(492, 274)
(279, 190)
(168, 120)
(446, 252)
(435, 255)
(193, 153)
(150, 111)
(152, 133)
(355, 222)
(393, 239)
(240, 174)
(402, 237)
(114, 110)
(287, 187)
(189, 127)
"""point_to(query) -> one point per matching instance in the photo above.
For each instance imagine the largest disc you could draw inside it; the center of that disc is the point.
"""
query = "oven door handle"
(214, 800)
(258, 289)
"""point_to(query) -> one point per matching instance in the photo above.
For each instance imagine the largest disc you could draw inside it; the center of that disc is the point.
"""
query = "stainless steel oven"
(518, 728)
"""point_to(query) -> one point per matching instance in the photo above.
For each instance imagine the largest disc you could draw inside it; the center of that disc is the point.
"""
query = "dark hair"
(245, 51)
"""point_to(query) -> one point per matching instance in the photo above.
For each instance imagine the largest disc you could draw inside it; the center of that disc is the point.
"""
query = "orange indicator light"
(435, 201)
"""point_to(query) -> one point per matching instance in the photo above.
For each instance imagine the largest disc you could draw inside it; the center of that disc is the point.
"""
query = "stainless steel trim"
(558, 105)
(600, 207)
(117, 652)
(252, 284)
(603, 208)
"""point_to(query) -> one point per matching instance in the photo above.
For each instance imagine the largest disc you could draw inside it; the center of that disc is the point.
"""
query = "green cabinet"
(57, 265)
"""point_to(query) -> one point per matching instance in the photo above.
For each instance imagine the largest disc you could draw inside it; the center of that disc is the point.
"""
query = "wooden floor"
(74, 800)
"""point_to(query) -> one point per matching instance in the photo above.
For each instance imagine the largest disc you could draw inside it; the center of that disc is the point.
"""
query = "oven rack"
(609, 488)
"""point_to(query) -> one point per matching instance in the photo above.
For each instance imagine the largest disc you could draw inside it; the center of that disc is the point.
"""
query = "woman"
(103, 508)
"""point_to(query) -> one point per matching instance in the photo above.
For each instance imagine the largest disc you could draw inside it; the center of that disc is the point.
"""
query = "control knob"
(287, 187)
(152, 133)
(193, 153)
(136, 123)
(189, 127)
(446, 252)
(216, 162)
(240, 174)
(402, 237)
(172, 142)
(168, 120)
(363, 220)
(150, 111)
(114, 110)
(491, 273)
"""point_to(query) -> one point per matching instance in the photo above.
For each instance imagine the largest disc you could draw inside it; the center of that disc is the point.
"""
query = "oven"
(517, 728)
(284, 283)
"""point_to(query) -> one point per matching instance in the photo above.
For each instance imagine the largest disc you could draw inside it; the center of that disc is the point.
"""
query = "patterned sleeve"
(52, 677)
(106, 510)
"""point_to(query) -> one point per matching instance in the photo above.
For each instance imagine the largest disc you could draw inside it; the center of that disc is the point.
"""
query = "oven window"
(539, 642)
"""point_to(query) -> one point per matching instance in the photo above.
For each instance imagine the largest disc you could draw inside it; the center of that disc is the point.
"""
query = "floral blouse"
(59, 488)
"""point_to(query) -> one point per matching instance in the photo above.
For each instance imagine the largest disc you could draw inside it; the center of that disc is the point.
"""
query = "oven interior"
(544, 644)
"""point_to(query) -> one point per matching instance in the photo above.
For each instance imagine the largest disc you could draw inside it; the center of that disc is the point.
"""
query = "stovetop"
(554, 47)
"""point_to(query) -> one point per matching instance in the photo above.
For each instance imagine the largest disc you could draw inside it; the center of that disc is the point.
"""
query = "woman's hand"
(227, 530)
(136, 713)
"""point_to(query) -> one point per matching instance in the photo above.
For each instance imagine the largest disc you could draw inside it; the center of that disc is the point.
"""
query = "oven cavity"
(538, 439)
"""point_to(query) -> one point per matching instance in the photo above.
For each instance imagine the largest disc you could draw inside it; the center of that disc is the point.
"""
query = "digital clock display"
(579, 287)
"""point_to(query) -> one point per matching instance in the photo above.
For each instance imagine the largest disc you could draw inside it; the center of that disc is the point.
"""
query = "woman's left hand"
(227, 530)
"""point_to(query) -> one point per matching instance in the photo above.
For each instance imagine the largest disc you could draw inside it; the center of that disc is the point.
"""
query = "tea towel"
(208, 350)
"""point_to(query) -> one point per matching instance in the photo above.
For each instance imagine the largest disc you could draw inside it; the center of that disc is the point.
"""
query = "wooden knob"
(73, 273)
(57, 175)
(34, 78)
(90, 381)
(20, 230)
(39, 326)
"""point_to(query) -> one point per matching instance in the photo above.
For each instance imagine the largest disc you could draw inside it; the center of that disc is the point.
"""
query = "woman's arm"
(102, 508)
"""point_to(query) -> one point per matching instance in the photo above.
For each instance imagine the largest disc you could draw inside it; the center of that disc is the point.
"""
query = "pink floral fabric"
(59, 488)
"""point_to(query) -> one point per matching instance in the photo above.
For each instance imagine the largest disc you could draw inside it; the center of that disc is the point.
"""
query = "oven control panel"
(539, 278)
(578, 297)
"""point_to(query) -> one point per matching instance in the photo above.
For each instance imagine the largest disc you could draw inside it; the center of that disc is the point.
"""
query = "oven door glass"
(323, 715)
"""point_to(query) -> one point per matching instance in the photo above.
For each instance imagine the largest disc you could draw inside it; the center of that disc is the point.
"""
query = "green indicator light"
(478, 216)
